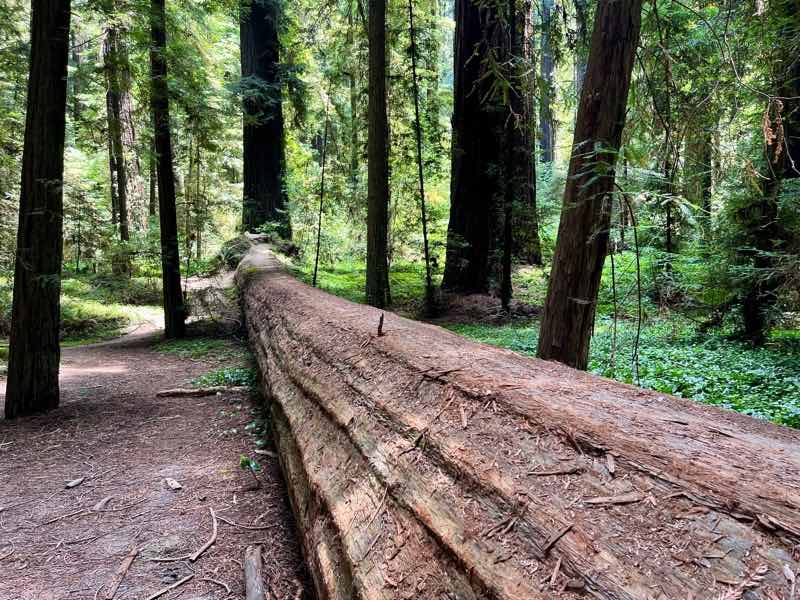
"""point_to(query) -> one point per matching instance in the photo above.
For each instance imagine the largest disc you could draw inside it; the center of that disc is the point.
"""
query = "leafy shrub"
(229, 376)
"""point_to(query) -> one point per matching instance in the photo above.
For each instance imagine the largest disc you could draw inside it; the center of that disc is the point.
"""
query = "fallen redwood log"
(423, 465)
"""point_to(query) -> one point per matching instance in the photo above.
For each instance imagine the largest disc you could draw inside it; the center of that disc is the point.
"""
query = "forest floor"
(84, 489)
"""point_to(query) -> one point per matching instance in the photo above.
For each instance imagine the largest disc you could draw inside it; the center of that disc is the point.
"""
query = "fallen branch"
(200, 392)
(240, 526)
(210, 542)
(219, 583)
(120, 574)
(169, 588)
(253, 580)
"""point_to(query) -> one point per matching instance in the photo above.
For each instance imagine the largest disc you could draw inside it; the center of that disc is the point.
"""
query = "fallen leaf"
(75, 483)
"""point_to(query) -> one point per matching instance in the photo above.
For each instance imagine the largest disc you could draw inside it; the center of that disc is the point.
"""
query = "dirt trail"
(112, 431)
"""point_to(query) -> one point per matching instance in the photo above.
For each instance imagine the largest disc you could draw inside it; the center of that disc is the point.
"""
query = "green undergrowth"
(220, 349)
(675, 359)
(229, 376)
(93, 308)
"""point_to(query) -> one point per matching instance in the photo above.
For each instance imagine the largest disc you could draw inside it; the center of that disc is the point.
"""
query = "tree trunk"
(527, 244)
(153, 196)
(581, 42)
(117, 160)
(76, 58)
(585, 217)
(765, 232)
(377, 288)
(35, 319)
(263, 150)
(476, 188)
(174, 309)
(137, 202)
(547, 123)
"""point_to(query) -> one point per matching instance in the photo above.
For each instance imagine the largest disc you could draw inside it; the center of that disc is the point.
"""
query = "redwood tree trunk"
(174, 309)
(547, 139)
(264, 153)
(585, 217)
(34, 344)
(378, 161)
(478, 133)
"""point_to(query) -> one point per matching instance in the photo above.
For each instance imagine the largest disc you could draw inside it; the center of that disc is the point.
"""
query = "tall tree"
(583, 232)
(116, 159)
(546, 120)
(264, 150)
(476, 187)
(35, 320)
(174, 309)
(526, 240)
(377, 289)
(765, 234)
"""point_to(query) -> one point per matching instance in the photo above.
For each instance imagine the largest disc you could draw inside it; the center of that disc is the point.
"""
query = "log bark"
(420, 464)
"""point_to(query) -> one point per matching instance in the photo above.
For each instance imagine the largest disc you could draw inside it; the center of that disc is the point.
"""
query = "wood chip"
(75, 483)
(629, 498)
(102, 504)
(172, 484)
(611, 465)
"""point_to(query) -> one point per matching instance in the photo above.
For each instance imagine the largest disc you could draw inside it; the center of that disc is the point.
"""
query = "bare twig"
(169, 588)
(120, 574)
(210, 542)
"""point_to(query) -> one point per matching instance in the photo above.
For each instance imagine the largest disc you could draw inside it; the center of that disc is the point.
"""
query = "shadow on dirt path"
(123, 442)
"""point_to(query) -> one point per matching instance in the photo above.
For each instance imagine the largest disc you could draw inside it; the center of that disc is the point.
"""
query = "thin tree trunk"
(111, 65)
(547, 124)
(429, 299)
(264, 153)
(137, 203)
(527, 244)
(583, 232)
(476, 180)
(377, 288)
(35, 319)
(153, 197)
(174, 309)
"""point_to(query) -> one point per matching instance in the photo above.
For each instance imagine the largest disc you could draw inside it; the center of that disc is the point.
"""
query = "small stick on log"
(169, 588)
(621, 499)
(200, 392)
(253, 580)
(210, 542)
(551, 541)
(120, 574)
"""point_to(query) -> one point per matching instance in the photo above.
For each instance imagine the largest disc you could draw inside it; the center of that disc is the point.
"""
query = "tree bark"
(477, 185)
(35, 320)
(547, 68)
(527, 243)
(119, 174)
(377, 287)
(583, 232)
(174, 309)
(264, 161)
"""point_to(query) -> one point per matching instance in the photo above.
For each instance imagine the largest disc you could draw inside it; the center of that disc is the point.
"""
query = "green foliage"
(197, 348)
(675, 359)
(229, 376)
